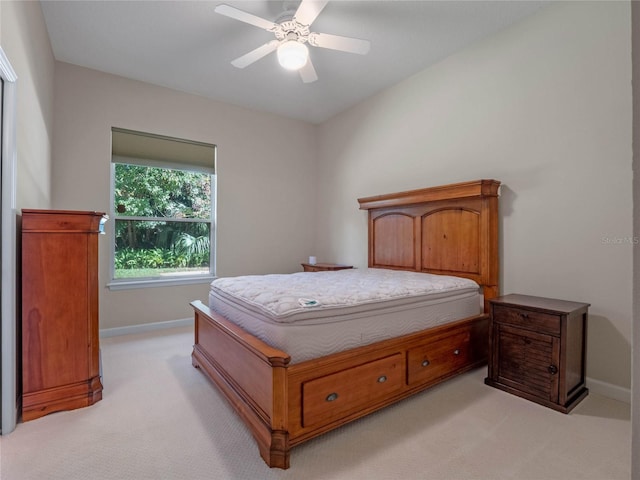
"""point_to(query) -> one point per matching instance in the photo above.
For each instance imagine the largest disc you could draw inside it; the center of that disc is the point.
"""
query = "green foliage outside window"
(163, 221)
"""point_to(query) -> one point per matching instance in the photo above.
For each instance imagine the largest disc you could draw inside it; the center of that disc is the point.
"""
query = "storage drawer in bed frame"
(433, 360)
(384, 372)
(337, 395)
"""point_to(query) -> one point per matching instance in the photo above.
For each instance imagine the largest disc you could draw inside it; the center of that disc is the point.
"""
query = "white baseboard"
(145, 327)
(609, 390)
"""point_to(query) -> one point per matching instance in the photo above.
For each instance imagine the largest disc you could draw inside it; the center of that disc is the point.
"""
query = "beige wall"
(265, 164)
(545, 107)
(25, 41)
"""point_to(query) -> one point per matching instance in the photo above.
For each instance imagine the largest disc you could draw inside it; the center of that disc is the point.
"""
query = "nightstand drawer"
(540, 322)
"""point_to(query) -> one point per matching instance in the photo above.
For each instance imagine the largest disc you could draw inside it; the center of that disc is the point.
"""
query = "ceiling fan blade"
(255, 55)
(243, 16)
(308, 73)
(337, 42)
(309, 10)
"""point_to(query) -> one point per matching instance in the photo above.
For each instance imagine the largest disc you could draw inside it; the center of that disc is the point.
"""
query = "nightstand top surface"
(552, 305)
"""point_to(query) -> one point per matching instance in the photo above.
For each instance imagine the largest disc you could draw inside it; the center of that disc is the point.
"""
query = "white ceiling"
(186, 46)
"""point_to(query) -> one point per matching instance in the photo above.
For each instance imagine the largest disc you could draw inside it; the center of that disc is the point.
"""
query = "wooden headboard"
(447, 230)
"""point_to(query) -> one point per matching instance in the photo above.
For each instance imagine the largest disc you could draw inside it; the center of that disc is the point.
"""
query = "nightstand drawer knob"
(553, 369)
(332, 397)
(456, 352)
(382, 379)
(425, 363)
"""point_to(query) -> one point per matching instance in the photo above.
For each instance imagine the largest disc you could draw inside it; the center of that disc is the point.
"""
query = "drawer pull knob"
(456, 352)
(553, 369)
(524, 315)
(332, 397)
(382, 379)
(425, 363)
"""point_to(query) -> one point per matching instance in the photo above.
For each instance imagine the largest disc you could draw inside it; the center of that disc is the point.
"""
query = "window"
(163, 192)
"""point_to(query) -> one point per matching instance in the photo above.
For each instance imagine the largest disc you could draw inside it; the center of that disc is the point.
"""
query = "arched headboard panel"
(451, 241)
(394, 240)
(447, 230)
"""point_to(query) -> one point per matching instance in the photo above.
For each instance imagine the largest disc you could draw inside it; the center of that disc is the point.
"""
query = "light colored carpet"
(160, 418)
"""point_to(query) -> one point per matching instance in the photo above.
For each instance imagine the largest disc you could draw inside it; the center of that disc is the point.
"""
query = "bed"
(449, 231)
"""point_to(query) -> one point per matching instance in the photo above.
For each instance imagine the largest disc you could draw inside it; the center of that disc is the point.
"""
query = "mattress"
(313, 314)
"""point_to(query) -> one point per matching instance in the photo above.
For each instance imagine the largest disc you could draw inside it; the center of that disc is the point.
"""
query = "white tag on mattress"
(308, 302)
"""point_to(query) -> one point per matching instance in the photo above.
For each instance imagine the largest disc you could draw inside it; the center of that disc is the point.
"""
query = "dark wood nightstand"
(537, 349)
(324, 267)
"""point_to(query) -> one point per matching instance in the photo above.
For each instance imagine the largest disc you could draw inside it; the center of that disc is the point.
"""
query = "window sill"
(158, 282)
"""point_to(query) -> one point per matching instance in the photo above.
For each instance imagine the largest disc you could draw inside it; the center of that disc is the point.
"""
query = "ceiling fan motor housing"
(292, 30)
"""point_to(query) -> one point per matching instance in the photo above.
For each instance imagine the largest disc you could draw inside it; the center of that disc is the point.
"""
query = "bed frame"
(451, 230)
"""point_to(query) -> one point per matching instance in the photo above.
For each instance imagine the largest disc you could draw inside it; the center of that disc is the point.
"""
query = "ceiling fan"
(292, 33)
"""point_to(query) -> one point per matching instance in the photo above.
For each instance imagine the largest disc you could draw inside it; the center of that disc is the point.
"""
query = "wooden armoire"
(60, 341)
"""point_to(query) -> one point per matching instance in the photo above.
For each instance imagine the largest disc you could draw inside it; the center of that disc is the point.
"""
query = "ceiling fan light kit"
(291, 35)
(293, 55)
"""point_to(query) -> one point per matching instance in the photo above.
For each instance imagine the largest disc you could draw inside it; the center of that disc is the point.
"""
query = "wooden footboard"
(284, 405)
(251, 374)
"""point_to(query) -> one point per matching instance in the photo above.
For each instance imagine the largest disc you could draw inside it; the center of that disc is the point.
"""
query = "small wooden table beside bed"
(343, 344)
